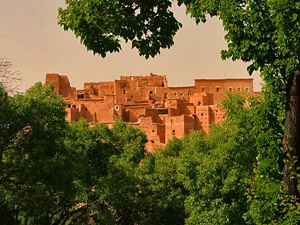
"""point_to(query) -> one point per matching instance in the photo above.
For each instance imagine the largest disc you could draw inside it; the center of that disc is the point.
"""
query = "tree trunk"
(292, 135)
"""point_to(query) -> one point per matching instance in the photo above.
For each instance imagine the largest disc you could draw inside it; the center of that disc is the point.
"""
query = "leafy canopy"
(100, 24)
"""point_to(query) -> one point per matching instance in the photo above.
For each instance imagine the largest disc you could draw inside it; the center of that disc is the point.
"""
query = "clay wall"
(99, 89)
(142, 81)
(181, 92)
(148, 103)
(206, 117)
(72, 114)
(135, 112)
(61, 84)
(201, 99)
(95, 110)
(219, 114)
(219, 87)
(178, 126)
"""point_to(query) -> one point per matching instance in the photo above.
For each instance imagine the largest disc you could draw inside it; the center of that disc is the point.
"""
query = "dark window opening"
(153, 131)
(162, 84)
(80, 96)
(152, 141)
(74, 106)
(217, 89)
(69, 105)
(173, 132)
(194, 116)
(151, 92)
(199, 103)
(162, 111)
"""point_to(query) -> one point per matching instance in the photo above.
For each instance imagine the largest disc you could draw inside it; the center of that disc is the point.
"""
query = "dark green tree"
(35, 180)
(162, 192)
(106, 161)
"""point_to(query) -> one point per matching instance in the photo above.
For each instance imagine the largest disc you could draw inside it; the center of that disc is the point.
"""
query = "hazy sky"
(32, 40)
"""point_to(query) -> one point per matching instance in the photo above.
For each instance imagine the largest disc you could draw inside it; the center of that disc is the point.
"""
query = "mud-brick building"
(148, 102)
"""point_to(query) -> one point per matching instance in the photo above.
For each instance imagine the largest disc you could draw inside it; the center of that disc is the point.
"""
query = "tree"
(215, 169)
(162, 191)
(105, 162)
(35, 178)
(53, 172)
(264, 33)
(8, 78)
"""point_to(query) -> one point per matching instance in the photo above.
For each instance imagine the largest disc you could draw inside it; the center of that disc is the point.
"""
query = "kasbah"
(148, 102)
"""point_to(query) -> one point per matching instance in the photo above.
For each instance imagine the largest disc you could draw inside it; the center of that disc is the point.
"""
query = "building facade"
(148, 102)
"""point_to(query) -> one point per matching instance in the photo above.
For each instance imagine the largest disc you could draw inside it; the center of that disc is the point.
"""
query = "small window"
(194, 116)
(74, 106)
(150, 92)
(181, 94)
(162, 84)
(69, 105)
(152, 141)
(238, 89)
(247, 89)
(80, 96)
(203, 88)
(117, 107)
(153, 131)
(218, 89)
(173, 132)
(176, 94)
(189, 93)
(230, 89)
(199, 103)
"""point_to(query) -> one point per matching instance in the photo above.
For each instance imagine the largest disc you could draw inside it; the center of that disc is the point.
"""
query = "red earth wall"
(147, 102)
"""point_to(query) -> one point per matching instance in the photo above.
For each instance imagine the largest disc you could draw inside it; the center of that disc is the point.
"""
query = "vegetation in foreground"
(52, 172)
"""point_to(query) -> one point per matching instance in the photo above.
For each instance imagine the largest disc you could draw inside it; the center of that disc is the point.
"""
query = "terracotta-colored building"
(147, 102)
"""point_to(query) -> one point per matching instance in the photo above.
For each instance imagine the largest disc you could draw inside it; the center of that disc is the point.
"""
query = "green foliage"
(35, 179)
(105, 161)
(264, 33)
(162, 192)
(55, 173)
(52, 172)
(264, 197)
(215, 169)
(100, 24)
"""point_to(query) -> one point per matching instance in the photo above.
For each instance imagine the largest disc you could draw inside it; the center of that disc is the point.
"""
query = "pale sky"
(32, 40)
